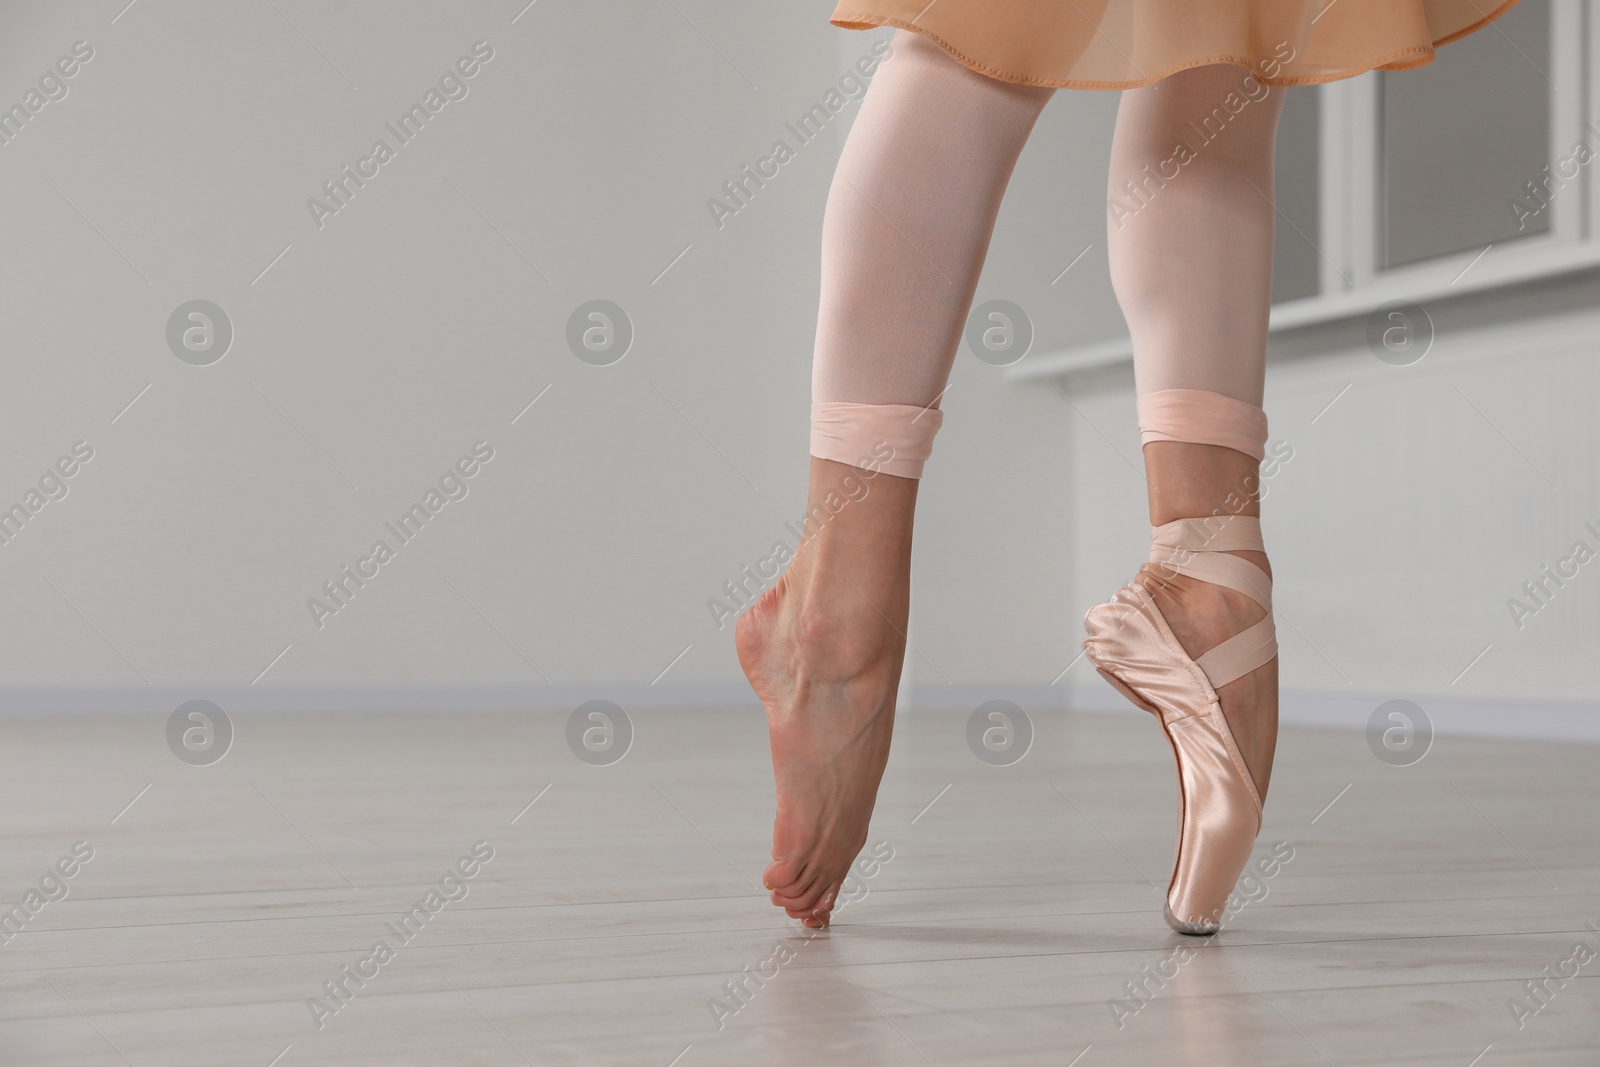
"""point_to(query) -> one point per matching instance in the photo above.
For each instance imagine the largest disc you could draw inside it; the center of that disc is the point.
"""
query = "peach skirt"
(1118, 44)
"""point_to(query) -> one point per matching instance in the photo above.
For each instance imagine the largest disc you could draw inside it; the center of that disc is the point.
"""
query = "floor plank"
(1020, 906)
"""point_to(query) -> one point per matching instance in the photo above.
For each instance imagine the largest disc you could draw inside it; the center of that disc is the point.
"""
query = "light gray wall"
(427, 313)
(1414, 509)
(992, 572)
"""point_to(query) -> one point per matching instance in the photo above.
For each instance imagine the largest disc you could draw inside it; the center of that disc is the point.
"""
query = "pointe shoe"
(1133, 647)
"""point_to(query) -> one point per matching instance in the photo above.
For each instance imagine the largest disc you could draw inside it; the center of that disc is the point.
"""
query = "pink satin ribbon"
(889, 438)
(1201, 417)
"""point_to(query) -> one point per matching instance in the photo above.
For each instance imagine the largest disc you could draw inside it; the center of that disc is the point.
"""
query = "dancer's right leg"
(1192, 269)
(906, 229)
(1191, 639)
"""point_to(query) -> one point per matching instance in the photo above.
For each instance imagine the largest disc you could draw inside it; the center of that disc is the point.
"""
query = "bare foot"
(1202, 616)
(823, 650)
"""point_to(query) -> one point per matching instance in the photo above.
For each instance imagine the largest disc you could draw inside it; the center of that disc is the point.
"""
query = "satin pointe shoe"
(1133, 647)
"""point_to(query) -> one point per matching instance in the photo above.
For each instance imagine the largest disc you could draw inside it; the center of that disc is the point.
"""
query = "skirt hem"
(1405, 59)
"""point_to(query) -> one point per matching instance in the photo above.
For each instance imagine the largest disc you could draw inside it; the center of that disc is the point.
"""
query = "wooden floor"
(1019, 904)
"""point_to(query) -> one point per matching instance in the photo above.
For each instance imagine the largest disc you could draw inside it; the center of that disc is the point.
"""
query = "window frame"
(1352, 282)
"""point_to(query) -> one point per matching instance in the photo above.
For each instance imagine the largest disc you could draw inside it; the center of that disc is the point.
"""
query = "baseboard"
(523, 696)
(373, 697)
(1450, 715)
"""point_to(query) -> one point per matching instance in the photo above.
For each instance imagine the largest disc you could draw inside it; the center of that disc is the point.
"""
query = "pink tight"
(912, 208)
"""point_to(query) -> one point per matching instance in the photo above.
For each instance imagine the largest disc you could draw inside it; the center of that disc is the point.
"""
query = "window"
(1477, 171)
(1463, 135)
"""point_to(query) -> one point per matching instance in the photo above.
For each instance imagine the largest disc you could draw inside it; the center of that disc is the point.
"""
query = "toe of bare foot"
(782, 873)
(822, 910)
(820, 914)
(801, 896)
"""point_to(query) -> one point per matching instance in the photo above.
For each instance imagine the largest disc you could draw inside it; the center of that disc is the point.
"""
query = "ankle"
(835, 624)
(840, 635)
(844, 590)
(1194, 598)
